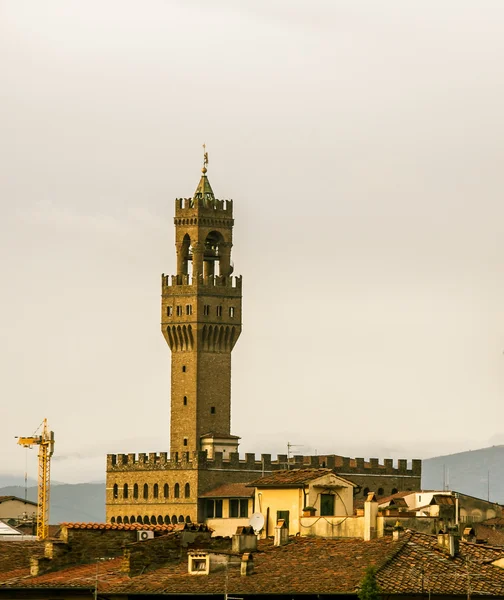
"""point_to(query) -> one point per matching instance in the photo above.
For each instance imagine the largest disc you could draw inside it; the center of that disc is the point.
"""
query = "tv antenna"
(289, 448)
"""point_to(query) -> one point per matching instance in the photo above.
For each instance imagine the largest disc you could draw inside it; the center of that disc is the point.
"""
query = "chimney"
(397, 532)
(281, 533)
(370, 517)
(244, 540)
(449, 541)
(247, 564)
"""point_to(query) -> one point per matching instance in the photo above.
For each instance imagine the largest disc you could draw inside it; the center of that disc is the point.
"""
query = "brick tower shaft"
(201, 320)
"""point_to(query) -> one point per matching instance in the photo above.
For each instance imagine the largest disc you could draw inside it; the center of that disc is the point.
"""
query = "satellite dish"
(256, 521)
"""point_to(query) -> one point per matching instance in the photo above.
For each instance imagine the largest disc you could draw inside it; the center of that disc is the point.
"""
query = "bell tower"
(201, 322)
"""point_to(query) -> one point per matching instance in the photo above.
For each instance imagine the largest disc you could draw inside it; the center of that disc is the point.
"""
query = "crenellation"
(402, 465)
(231, 283)
(234, 460)
(360, 463)
(374, 462)
(389, 465)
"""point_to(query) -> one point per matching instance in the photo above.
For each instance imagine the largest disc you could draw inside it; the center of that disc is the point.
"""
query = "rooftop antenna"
(289, 448)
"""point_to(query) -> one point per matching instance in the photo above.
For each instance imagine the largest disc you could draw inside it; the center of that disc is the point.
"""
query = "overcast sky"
(362, 143)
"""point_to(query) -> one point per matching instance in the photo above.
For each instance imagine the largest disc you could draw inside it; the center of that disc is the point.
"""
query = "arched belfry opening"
(184, 256)
(212, 254)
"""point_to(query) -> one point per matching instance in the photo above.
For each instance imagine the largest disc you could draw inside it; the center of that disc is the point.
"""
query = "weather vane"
(205, 156)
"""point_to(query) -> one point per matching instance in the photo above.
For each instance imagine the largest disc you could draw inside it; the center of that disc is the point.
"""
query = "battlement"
(199, 460)
(213, 281)
(188, 206)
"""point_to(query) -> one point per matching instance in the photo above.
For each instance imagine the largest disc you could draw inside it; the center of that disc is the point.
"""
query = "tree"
(369, 589)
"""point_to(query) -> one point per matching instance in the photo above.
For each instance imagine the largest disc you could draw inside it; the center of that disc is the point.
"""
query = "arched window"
(135, 490)
(146, 520)
(116, 491)
(166, 490)
(126, 520)
(119, 520)
(146, 491)
(380, 492)
(125, 490)
(112, 520)
(153, 520)
(132, 520)
(188, 519)
(187, 491)
(365, 492)
(176, 491)
(155, 491)
(394, 491)
(139, 519)
(167, 519)
(181, 519)
(174, 519)
(160, 520)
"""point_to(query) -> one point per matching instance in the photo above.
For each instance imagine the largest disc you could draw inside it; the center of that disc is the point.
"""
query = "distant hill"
(78, 502)
(468, 472)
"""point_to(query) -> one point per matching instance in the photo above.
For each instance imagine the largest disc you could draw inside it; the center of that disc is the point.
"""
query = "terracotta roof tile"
(292, 477)
(386, 499)
(123, 526)
(413, 565)
(230, 490)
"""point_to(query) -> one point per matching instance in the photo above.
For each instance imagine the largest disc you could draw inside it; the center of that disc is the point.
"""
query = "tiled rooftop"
(230, 490)
(413, 565)
(386, 499)
(293, 477)
(126, 527)
(6, 498)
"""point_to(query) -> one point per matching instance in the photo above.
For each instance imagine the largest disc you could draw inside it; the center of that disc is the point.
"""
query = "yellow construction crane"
(45, 442)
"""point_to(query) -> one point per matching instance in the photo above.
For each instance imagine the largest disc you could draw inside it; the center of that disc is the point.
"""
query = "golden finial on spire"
(205, 159)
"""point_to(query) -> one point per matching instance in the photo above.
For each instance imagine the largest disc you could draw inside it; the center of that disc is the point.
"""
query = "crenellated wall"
(203, 474)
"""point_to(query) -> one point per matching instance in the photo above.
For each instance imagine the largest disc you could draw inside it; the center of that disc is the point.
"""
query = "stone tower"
(201, 322)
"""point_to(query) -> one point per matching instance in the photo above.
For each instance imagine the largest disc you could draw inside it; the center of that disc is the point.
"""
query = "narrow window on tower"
(206, 310)
(212, 410)
(231, 312)
(179, 311)
(188, 309)
(183, 369)
(219, 311)
(185, 441)
(185, 400)
(169, 311)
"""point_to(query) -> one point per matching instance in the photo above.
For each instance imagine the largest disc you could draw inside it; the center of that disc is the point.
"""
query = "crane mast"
(45, 442)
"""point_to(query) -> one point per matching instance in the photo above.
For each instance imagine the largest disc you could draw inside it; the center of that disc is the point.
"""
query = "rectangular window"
(234, 508)
(238, 507)
(244, 508)
(183, 369)
(206, 310)
(231, 312)
(326, 505)
(188, 309)
(179, 311)
(185, 441)
(219, 311)
(169, 311)
(212, 410)
(213, 509)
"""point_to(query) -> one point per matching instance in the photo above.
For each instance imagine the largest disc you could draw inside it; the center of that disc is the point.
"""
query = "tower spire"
(204, 189)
